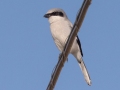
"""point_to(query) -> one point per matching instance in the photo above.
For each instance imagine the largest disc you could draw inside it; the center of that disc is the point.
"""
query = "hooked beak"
(46, 15)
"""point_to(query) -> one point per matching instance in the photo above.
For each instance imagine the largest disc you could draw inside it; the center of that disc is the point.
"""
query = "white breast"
(60, 31)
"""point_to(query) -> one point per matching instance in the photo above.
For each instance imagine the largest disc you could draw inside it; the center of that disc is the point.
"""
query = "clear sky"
(28, 53)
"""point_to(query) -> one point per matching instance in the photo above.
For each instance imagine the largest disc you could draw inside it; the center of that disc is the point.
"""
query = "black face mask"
(54, 14)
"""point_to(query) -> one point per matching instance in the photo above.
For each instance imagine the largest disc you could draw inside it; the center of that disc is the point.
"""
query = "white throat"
(53, 19)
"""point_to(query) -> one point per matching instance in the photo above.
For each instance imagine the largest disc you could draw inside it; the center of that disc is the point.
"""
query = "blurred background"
(28, 53)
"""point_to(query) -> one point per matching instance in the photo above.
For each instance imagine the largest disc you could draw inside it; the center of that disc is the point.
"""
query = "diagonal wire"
(68, 45)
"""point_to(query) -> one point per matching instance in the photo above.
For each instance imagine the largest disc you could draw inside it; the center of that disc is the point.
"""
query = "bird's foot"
(60, 55)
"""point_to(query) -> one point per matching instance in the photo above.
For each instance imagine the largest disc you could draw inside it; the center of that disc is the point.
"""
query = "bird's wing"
(78, 41)
(80, 60)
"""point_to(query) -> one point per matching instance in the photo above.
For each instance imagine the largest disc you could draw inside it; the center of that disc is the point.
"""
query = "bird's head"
(55, 14)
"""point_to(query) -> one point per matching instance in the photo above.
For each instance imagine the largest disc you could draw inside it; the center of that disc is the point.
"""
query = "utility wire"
(68, 45)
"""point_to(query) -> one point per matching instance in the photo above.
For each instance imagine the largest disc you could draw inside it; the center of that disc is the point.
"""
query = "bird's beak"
(46, 15)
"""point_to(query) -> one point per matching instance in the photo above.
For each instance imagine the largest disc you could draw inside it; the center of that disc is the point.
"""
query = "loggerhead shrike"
(60, 27)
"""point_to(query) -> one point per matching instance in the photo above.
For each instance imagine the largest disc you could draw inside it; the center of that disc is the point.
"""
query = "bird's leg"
(60, 55)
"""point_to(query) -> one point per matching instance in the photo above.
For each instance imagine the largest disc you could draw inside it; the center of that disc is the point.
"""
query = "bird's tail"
(84, 71)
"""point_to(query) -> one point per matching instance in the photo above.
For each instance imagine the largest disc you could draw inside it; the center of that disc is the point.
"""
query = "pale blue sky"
(28, 53)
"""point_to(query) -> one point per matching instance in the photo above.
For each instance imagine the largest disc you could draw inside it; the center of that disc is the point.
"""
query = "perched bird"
(60, 27)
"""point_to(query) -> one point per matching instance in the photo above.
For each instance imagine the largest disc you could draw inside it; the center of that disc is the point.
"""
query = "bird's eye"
(61, 14)
(57, 14)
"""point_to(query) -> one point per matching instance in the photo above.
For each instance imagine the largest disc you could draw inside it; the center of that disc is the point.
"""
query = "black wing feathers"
(78, 41)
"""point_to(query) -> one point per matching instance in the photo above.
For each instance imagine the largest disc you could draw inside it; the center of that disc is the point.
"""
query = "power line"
(68, 45)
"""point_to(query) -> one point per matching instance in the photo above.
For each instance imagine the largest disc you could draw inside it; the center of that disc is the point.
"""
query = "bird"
(60, 27)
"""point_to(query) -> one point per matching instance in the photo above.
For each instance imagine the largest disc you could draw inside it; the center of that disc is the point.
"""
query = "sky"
(28, 53)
